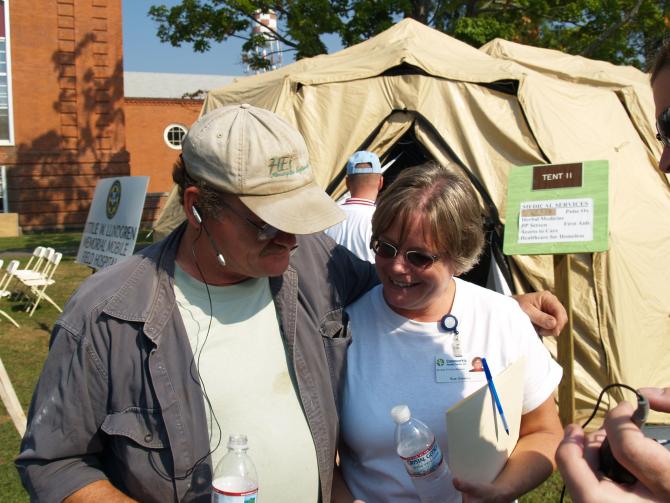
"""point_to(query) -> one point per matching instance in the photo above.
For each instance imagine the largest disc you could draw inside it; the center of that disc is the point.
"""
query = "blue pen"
(494, 393)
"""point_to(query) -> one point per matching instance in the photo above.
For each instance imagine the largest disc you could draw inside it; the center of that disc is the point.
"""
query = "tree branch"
(593, 46)
(436, 11)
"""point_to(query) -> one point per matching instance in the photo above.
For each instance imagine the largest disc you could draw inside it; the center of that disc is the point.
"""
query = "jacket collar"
(147, 296)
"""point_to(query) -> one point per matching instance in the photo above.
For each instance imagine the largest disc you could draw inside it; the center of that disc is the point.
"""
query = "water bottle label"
(424, 463)
(230, 497)
(234, 489)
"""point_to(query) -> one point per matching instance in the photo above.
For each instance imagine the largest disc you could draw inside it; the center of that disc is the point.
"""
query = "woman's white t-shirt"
(393, 360)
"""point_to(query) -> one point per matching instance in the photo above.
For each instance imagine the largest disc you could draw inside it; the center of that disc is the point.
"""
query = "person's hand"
(645, 458)
(659, 398)
(578, 461)
(545, 311)
(479, 493)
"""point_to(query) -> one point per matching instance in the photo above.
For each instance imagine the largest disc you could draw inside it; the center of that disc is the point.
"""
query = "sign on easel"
(559, 209)
(113, 221)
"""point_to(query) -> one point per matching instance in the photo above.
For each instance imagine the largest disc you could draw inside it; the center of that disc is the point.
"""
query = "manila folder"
(477, 444)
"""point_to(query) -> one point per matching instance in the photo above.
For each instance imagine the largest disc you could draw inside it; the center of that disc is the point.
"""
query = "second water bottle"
(417, 447)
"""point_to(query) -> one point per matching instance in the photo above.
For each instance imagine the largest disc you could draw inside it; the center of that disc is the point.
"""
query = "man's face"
(237, 239)
(661, 89)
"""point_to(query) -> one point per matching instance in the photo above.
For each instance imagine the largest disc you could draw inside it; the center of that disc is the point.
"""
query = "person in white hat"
(364, 181)
(234, 323)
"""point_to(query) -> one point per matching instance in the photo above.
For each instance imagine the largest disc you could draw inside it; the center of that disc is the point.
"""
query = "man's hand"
(578, 460)
(545, 312)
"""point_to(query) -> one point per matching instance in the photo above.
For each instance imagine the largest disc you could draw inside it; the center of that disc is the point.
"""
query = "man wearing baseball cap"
(364, 181)
(234, 323)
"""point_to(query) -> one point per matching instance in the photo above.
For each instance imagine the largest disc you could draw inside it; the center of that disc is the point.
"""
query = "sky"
(144, 52)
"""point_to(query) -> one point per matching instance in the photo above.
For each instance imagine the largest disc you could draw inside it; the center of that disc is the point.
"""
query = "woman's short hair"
(448, 204)
(208, 198)
(662, 60)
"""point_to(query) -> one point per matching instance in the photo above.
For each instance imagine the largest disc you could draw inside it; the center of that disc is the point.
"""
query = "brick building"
(64, 120)
(61, 105)
(159, 110)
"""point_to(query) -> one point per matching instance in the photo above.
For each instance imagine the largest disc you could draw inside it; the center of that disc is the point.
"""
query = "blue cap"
(363, 157)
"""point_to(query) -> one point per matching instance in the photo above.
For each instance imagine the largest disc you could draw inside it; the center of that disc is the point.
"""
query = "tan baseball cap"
(258, 156)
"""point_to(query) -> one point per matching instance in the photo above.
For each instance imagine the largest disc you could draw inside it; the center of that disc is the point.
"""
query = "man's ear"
(190, 201)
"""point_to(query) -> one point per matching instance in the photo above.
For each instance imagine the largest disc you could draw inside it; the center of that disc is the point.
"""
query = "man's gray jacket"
(117, 400)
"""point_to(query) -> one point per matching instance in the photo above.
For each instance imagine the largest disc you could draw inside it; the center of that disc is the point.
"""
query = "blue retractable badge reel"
(450, 324)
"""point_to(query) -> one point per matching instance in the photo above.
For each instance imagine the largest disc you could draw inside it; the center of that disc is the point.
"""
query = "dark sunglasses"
(663, 127)
(418, 259)
(265, 232)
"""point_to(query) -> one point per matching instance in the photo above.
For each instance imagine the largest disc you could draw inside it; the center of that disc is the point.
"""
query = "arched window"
(173, 135)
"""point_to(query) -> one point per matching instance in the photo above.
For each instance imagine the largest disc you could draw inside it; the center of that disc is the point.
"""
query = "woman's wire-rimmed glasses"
(419, 259)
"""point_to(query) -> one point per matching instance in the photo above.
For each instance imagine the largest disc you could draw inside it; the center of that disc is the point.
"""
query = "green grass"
(548, 492)
(24, 349)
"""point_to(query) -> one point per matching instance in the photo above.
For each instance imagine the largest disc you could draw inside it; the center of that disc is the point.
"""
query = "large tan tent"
(416, 92)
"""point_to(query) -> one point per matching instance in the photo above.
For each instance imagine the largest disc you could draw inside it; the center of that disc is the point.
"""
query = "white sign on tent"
(113, 221)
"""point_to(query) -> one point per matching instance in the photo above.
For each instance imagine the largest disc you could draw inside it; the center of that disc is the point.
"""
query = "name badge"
(457, 370)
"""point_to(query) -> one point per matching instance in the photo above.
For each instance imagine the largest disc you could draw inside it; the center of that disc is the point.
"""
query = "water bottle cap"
(400, 414)
(237, 441)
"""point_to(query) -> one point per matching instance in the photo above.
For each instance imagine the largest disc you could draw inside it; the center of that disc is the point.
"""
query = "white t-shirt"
(244, 370)
(392, 361)
(355, 231)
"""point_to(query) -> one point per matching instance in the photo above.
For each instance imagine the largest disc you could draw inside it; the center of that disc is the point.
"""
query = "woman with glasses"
(427, 230)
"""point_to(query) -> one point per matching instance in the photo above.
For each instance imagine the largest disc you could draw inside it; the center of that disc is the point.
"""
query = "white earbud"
(196, 214)
(198, 218)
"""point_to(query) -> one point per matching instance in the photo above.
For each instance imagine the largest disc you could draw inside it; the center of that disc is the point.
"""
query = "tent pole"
(565, 346)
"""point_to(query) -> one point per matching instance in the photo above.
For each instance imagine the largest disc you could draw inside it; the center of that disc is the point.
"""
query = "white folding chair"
(4, 283)
(39, 285)
(34, 269)
(35, 257)
(40, 266)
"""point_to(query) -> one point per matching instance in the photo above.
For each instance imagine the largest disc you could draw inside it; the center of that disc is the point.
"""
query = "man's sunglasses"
(265, 232)
(663, 127)
(418, 259)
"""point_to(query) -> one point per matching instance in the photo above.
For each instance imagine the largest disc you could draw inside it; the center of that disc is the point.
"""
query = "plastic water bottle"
(417, 447)
(235, 479)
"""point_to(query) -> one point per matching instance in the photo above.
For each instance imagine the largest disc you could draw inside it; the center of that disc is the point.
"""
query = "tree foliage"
(619, 31)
